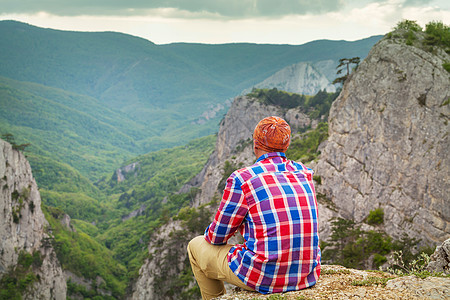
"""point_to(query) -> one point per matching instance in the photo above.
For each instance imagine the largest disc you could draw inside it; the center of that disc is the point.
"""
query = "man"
(273, 205)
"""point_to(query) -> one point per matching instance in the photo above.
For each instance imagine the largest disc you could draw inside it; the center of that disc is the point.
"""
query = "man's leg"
(210, 267)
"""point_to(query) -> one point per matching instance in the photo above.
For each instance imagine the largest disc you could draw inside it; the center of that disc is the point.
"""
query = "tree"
(10, 139)
(408, 25)
(344, 63)
(437, 33)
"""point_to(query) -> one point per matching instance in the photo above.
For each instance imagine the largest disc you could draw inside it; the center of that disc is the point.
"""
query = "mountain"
(66, 127)
(144, 96)
(93, 104)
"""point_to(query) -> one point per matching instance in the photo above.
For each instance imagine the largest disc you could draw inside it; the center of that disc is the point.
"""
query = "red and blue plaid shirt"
(274, 206)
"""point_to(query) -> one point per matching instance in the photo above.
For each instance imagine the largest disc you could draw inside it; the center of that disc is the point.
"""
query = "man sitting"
(273, 205)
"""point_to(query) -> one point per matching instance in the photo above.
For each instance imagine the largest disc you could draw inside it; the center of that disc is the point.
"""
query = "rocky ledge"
(337, 282)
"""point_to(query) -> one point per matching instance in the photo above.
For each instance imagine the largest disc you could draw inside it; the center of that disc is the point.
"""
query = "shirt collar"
(271, 154)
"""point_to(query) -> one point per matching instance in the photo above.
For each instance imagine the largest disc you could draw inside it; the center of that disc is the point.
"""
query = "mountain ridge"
(156, 96)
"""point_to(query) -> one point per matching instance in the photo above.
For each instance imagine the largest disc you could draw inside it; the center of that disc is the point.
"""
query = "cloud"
(219, 8)
(416, 2)
(217, 21)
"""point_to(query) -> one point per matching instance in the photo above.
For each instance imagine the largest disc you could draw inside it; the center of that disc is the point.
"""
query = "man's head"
(272, 134)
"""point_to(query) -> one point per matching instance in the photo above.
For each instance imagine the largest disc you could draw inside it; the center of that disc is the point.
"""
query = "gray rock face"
(303, 78)
(440, 260)
(147, 285)
(120, 173)
(388, 143)
(22, 225)
(336, 282)
(428, 288)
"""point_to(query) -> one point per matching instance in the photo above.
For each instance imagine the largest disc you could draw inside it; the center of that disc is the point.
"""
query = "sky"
(228, 21)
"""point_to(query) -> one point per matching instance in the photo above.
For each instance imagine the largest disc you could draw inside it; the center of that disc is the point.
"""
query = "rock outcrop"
(121, 172)
(302, 78)
(388, 142)
(340, 283)
(22, 227)
(440, 260)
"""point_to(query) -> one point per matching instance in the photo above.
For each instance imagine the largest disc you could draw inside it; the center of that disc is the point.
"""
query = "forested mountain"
(69, 128)
(147, 96)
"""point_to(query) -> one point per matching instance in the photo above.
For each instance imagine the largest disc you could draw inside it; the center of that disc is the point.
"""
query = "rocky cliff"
(302, 78)
(388, 142)
(234, 141)
(23, 230)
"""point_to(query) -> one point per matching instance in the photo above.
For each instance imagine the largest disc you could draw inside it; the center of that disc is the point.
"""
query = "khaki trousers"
(210, 267)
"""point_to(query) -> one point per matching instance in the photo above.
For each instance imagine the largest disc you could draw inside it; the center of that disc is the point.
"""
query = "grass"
(372, 280)
(333, 272)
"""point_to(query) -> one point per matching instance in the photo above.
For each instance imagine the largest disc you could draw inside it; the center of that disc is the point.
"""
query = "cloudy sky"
(225, 21)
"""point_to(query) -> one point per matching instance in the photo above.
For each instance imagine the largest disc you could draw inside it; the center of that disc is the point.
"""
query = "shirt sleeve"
(232, 211)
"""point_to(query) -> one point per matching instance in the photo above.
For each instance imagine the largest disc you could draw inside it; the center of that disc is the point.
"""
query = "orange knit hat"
(272, 134)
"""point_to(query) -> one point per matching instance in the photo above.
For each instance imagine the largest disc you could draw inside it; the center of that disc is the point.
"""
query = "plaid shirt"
(273, 204)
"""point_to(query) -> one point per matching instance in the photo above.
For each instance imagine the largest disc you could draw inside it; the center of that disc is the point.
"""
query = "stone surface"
(440, 260)
(146, 286)
(121, 172)
(337, 282)
(22, 225)
(388, 143)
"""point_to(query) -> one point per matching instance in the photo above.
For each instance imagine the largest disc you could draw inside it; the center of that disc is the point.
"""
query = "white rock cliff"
(22, 226)
(388, 142)
(302, 78)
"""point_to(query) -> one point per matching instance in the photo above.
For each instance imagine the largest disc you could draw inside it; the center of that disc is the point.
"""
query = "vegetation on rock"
(82, 255)
(344, 64)
(304, 147)
(20, 278)
(353, 247)
(316, 106)
(436, 34)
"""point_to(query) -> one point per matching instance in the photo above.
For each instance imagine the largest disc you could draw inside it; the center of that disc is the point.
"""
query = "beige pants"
(210, 267)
